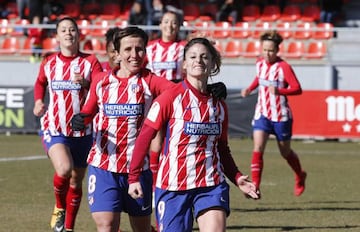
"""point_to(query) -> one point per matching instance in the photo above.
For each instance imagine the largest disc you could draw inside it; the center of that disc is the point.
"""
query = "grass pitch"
(331, 201)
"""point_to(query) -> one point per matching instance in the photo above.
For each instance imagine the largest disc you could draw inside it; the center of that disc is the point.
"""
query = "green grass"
(331, 201)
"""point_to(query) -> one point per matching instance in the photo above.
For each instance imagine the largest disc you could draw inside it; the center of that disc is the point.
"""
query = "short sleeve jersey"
(273, 107)
(165, 58)
(122, 104)
(194, 124)
(65, 97)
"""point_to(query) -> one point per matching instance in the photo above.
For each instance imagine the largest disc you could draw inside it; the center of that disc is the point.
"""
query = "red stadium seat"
(191, 12)
(270, 13)
(323, 31)
(27, 46)
(285, 29)
(241, 30)
(50, 45)
(19, 28)
(205, 27)
(252, 49)
(223, 30)
(91, 10)
(110, 11)
(294, 50)
(316, 50)
(251, 13)
(233, 49)
(10, 45)
(291, 13)
(94, 45)
(209, 10)
(303, 30)
(84, 27)
(311, 13)
(260, 27)
(100, 28)
(219, 46)
(72, 9)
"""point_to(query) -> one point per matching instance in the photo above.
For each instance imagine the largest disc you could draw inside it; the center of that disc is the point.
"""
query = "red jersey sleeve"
(293, 86)
(40, 83)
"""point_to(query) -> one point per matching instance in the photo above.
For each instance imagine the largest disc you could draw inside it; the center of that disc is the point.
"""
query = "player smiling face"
(131, 55)
(198, 61)
(169, 26)
(67, 35)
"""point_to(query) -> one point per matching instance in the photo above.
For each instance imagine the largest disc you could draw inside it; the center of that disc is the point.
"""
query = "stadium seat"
(209, 10)
(323, 31)
(50, 45)
(260, 27)
(191, 12)
(10, 45)
(294, 50)
(204, 26)
(233, 49)
(72, 9)
(303, 30)
(285, 29)
(12, 8)
(94, 45)
(311, 13)
(110, 11)
(270, 13)
(252, 49)
(241, 30)
(100, 28)
(91, 10)
(121, 23)
(296, 1)
(316, 50)
(19, 28)
(223, 30)
(250, 13)
(27, 46)
(291, 13)
(83, 25)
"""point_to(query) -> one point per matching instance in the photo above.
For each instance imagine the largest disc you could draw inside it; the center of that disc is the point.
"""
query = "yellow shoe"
(54, 216)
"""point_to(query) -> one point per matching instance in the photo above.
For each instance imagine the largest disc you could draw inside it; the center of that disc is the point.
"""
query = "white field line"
(35, 157)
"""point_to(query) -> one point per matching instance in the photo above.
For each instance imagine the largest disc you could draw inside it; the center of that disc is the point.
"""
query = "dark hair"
(216, 57)
(273, 36)
(132, 32)
(67, 19)
(109, 35)
(178, 17)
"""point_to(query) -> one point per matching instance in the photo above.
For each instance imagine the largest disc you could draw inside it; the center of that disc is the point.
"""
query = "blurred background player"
(275, 79)
(66, 75)
(111, 62)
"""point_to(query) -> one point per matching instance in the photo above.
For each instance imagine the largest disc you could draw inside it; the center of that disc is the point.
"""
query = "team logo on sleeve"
(118, 110)
(193, 128)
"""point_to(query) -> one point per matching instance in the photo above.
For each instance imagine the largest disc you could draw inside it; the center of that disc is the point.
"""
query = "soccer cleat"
(54, 216)
(60, 221)
(300, 184)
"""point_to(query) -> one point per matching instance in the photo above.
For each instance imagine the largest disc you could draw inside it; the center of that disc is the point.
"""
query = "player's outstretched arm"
(247, 187)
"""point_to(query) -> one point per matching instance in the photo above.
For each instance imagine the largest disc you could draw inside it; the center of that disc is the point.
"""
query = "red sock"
(294, 162)
(73, 200)
(257, 164)
(61, 186)
(154, 165)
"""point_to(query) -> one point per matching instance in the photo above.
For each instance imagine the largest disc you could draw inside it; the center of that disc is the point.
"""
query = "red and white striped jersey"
(195, 122)
(121, 104)
(281, 75)
(65, 97)
(165, 58)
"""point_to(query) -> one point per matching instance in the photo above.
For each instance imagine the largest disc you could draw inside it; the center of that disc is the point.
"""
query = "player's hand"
(247, 187)
(39, 108)
(218, 90)
(78, 122)
(135, 190)
(273, 90)
(245, 92)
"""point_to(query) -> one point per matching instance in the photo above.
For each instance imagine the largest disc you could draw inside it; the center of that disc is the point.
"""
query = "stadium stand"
(270, 13)
(251, 13)
(241, 30)
(294, 50)
(10, 46)
(234, 48)
(291, 13)
(223, 30)
(316, 50)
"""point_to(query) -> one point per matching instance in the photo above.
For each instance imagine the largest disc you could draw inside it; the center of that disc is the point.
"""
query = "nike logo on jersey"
(222, 199)
(143, 208)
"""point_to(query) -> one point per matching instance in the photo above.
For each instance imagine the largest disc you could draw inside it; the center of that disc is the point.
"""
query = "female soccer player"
(191, 181)
(66, 75)
(275, 79)
(121, 99)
